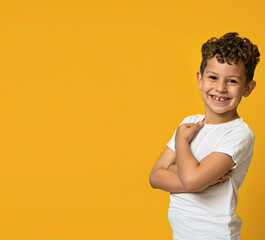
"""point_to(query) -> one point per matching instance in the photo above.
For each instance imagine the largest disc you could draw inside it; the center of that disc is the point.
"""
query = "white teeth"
(220, 99)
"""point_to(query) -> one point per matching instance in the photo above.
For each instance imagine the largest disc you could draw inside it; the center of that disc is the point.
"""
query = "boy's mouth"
(219, 99)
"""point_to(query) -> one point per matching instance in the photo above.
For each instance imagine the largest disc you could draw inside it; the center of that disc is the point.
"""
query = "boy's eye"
(213, 77)
(232, 81)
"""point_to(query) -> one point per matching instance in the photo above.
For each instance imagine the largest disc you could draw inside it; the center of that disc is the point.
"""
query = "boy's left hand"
(223, 178)
(187, 131)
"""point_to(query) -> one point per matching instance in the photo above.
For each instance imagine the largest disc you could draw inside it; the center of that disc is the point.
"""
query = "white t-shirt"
(211, 213)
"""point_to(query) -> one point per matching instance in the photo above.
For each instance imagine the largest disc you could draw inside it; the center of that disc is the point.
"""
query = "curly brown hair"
(231, 48)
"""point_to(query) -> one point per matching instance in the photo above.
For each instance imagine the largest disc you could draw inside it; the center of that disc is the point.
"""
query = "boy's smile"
(222, 87)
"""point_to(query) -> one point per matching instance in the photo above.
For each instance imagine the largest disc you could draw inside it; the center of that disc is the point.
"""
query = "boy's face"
(222, 87)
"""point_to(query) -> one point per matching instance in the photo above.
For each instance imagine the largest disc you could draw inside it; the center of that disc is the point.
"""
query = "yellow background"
(91, 92)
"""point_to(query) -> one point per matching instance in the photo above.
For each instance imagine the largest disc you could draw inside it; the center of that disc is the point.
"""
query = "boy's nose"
(221, 86)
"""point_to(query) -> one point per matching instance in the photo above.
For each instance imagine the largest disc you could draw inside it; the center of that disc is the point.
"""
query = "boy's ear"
(249, 88)
(199, 80)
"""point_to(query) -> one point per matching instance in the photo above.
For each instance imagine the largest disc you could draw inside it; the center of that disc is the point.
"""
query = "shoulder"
(189, 119)
(238, 137)
(241, 130)
(193, 118)
(244, 138)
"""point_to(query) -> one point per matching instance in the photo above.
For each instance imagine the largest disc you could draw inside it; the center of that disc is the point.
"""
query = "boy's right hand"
(223, 178)
(187, 131)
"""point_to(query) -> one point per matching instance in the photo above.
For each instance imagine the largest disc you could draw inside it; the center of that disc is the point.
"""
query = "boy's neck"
(219, 118)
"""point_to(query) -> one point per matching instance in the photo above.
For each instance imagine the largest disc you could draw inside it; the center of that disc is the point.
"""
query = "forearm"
(166, 180)
(187, 166)
(185, 160)
(194, 175)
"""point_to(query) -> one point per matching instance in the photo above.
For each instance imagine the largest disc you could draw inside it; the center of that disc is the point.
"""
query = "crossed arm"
(180, 171)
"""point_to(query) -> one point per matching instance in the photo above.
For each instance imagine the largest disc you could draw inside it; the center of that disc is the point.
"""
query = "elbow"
(189, 187)
(152, 180)
(192, 188)
(191, 184)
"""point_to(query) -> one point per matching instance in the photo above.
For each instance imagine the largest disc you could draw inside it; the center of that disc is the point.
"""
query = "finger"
(200, 124)
(225, 177)
(197, 126)
(229, 173)
(221, 179)
(188, 125)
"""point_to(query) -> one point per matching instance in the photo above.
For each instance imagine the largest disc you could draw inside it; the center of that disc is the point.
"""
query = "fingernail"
(201, 123)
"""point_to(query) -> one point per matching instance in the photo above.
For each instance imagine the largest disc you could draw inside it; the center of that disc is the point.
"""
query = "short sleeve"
(171, 143)
(189, 119)
(237, 143)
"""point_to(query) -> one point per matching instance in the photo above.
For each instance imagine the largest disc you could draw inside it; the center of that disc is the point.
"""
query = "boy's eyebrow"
(218, 74)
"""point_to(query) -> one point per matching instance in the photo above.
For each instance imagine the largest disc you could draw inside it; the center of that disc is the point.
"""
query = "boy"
(196, 166)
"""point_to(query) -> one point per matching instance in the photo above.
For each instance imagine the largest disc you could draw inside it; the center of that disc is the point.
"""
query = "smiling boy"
(196, 166)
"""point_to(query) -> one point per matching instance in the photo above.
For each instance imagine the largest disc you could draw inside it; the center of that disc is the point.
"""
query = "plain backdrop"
(91, 92)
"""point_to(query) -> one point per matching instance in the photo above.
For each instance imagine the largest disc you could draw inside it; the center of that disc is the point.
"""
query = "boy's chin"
(224, 112)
